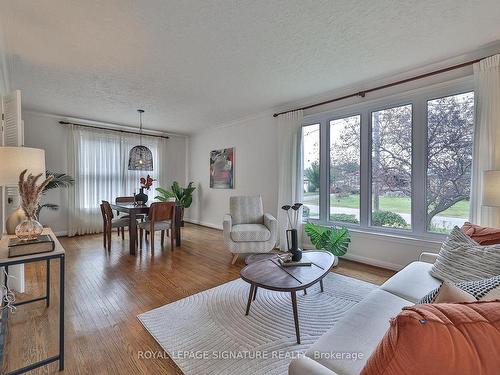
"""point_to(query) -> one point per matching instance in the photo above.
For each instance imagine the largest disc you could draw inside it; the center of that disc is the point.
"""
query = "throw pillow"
(449, 293)
(462, 259)
(445, 339)
(483, 290)
(482, 235)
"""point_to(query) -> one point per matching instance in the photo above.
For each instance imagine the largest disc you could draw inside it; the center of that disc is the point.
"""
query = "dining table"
(133, 211)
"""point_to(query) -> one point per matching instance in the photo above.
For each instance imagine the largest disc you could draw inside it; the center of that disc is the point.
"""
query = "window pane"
(391, 167)
(344, 169)
(449, 161)
(311, 171)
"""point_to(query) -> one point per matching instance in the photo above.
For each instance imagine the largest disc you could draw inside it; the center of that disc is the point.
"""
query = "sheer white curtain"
(486, 136)
(290, 179)
(98, 160)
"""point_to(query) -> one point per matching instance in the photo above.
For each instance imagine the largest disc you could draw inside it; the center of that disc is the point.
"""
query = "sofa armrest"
(306, 365)
(427, 257)
(271, 223)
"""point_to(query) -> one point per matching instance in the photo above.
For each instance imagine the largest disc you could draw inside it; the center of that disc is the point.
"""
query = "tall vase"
(141, 197)
(293, 244)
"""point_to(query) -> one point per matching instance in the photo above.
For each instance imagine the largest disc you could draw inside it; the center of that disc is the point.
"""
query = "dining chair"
(109, 222)
(126, 199)
(161, 217)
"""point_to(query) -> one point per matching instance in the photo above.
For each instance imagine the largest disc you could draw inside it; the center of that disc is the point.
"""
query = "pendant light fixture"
(140, 157)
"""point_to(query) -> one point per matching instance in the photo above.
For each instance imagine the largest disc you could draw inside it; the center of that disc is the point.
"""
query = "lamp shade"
(140, 159)
(14, 160)
(491, 188)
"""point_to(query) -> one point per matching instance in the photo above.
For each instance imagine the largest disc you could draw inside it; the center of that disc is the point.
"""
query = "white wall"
(256, 167)
(44, 131)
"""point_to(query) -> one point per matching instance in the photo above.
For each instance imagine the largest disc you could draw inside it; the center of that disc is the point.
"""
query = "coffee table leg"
(295, 315)
(321, 285)
(250, 295)
(255, 293)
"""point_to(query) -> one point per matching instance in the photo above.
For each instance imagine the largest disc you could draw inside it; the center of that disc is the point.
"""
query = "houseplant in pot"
(335, 239)
(184, 196)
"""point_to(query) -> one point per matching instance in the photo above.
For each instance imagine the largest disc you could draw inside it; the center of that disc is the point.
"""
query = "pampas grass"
(31, 193)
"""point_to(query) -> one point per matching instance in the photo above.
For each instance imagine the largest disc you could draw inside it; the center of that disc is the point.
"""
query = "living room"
(303, 187)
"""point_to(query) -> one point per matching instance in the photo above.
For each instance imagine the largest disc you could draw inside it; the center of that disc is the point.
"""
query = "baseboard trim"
(373, 262)
(203, 223)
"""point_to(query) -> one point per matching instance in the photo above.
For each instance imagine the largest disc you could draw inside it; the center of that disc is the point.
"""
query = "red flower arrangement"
(147, 182)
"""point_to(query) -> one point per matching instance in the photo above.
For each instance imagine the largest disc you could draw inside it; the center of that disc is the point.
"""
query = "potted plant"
(184, 196)
(59, 180)
(335, 240)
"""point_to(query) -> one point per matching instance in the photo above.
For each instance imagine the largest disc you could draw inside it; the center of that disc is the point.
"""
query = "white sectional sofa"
(361, 328)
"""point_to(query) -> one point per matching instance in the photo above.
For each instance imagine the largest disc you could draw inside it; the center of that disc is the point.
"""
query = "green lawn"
(394, 204)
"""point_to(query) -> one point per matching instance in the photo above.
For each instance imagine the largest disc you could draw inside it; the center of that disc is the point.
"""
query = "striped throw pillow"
(462, 259)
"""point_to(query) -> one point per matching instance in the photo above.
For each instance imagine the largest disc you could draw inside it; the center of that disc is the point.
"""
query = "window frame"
(370, 166)
(418, 99)
(328, 126)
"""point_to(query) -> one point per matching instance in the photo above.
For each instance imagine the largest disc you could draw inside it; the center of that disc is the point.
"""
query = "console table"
(5, 261)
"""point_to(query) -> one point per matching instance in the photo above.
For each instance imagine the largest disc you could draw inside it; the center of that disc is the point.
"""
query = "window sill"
(389, 235)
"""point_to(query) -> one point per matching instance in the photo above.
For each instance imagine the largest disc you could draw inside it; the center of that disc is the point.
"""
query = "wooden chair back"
(125, 199)
(161, 211)
(106, 211)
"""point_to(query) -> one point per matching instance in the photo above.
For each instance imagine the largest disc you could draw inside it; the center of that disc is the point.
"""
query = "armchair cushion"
(246, 210)
(250, 232)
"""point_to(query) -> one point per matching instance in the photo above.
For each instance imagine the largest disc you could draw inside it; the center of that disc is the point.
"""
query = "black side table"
(5, 261)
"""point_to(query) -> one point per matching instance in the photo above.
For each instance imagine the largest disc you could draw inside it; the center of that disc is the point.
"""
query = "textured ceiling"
(193, 64)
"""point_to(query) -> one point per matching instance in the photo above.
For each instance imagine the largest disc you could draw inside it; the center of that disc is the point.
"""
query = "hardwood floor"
(106, 291)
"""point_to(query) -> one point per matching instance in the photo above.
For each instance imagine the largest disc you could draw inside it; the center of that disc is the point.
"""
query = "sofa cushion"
(357, 333)
(445, 338)
(462, 259)
(413, 282)
(250, 233)
(305, 365)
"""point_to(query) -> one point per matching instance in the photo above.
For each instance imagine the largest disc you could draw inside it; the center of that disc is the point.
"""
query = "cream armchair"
(247, 229)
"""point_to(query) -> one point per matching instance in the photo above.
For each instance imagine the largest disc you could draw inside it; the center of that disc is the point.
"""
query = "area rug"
(208, 332)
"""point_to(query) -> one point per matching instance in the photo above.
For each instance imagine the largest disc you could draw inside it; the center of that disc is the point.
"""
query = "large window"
(450, 131)
(310, 139)
(345, 138)
(391, 140)
(400, 165)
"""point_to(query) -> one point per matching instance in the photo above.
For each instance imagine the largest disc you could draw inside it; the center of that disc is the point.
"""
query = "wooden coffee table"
(269, 274)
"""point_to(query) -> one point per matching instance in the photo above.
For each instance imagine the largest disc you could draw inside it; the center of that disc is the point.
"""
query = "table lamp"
(491, 188)
(14, 160)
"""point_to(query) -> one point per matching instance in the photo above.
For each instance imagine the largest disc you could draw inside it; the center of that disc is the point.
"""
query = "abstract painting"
(222, 168)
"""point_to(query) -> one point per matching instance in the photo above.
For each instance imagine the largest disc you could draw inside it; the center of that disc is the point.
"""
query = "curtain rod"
(364, 92)
(112, 130)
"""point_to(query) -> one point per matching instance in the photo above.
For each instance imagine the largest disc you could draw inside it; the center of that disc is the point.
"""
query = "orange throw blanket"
(482, 235)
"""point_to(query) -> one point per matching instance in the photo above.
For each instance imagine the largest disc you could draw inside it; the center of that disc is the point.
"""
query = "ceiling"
(194, 64)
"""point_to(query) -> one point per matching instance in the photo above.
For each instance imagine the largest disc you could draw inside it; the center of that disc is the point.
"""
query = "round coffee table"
(269, 274)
